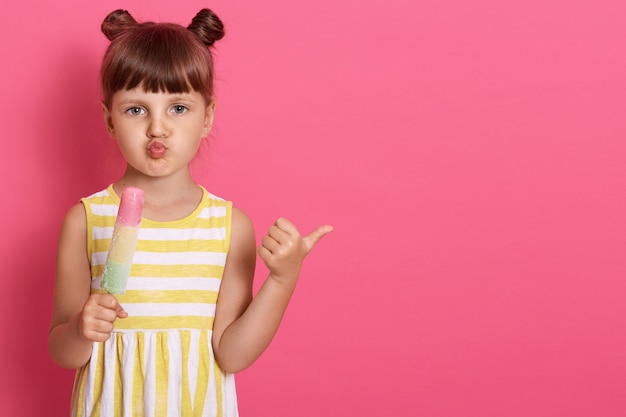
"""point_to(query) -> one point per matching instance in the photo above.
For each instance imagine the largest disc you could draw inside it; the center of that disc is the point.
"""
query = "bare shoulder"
(242, 229)
(241, 257)
(73, 277)
(73, 229)
(72, 250)
(75, 218)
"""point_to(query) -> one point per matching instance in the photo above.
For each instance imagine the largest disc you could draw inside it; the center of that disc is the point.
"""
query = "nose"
(157, 128)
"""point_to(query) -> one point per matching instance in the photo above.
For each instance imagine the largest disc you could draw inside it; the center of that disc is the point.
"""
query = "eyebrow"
(184, 98)
(175, 98)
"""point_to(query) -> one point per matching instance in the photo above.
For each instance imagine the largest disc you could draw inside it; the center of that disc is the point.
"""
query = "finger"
(110, 303)
(96, 336)
(278, 234)
(287, 226)
(94, 328)
(99, 337)
(108, 308)
(119, 310)
(270, 244)
(102, 326)
(106, 300)
(316, 235)
(103, 315)
(264, 254)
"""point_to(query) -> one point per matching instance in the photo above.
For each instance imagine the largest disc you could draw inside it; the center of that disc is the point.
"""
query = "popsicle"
(123, 241)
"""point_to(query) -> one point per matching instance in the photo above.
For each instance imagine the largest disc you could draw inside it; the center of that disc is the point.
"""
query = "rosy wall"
(471, 155)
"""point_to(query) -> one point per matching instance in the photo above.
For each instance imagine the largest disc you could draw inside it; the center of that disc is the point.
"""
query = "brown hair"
(159, 57)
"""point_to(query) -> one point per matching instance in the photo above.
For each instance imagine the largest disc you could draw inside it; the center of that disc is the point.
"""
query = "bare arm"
(244, 327)
(78, 319)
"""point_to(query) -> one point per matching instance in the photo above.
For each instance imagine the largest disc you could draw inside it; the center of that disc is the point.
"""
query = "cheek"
(126, 130)
(200, 128)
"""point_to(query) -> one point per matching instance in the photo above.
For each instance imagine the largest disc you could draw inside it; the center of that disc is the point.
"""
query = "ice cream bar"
(123, 241)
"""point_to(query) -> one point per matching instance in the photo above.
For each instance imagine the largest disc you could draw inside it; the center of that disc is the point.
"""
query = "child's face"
(158, 133)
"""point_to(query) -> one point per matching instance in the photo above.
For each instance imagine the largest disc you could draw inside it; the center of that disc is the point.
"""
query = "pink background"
(470, 154)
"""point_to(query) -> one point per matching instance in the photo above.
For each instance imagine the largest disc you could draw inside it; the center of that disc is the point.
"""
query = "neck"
(165, 198)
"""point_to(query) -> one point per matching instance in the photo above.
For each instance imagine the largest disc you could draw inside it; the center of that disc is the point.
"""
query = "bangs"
(158, 58)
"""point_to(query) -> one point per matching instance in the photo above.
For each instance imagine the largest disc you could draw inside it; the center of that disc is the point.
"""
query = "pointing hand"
(283, 249)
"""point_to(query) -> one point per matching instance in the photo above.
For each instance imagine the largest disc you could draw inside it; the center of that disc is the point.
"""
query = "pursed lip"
(156, 149)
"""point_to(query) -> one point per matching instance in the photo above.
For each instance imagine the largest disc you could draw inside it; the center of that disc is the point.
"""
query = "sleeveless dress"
(159, 361)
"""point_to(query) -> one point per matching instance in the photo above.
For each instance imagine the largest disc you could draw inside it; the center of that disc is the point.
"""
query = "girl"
(170, 345)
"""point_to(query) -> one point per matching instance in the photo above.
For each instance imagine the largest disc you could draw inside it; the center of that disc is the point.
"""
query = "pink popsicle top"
(131, 204)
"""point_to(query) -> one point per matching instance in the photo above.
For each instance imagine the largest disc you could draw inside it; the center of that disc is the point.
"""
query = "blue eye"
(136, 111)
(179, 109)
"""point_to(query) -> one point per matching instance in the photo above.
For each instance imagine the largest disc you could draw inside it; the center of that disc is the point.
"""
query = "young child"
(169, 345)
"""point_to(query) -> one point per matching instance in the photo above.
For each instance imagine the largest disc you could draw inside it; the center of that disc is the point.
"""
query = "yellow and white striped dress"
(159, 360)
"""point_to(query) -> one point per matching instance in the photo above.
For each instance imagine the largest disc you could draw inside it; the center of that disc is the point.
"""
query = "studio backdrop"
(470, 155)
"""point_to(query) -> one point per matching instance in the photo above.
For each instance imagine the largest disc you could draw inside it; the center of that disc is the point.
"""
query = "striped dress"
(159, 360)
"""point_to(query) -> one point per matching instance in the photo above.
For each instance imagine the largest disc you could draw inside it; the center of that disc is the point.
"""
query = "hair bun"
(207, 27)
(117, 22)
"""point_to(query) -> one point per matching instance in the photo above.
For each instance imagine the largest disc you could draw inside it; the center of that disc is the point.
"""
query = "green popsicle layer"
(115, 277)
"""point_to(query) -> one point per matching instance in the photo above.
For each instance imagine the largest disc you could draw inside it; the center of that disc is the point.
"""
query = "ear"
(208, 119)
(108, 121)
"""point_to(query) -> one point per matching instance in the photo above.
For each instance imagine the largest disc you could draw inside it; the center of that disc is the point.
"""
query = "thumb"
(119, 310)
(316, 235)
